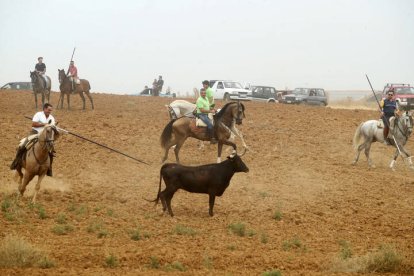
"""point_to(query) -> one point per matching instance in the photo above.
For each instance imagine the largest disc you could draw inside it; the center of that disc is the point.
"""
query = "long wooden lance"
(96, 143)
(71, 59)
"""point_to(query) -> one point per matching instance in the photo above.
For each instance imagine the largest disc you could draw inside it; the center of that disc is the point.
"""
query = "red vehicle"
(404, 94)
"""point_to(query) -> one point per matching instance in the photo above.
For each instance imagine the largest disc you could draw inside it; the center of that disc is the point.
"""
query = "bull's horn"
(244, 152)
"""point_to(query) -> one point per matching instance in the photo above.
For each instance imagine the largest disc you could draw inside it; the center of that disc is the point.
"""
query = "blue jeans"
(206, 120)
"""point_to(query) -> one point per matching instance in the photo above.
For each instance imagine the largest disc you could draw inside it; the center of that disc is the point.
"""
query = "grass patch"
(272, 273)
(10, 208)
(184, 230)
(263, 194)
(98, 228)
(346, 251)
(264, 238)
(231, 247)
(382, 260)
(175, 266)
(238, 229)
(135, 235)
(62, 229)
(277, 215)
(250, 233)
(46, 263)
(110, 212)
(207, 262)
(294, 243)
(111, 261)
(154, 263)
(61, 218)
(16, 252)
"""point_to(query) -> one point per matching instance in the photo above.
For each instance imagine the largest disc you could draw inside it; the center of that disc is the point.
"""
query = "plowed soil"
(301, 199)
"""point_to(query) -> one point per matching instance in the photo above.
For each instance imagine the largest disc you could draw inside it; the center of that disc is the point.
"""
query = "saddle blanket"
(29, 141)
(200, 123)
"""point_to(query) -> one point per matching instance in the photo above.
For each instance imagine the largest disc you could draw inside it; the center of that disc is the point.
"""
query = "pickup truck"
(404, 94)
(229, 90)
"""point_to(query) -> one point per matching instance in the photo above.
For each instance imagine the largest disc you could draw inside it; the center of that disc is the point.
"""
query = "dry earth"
(300, 169)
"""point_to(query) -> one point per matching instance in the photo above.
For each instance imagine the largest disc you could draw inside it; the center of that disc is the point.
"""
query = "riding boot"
(386, 139)
(213, 139)
(49, 170)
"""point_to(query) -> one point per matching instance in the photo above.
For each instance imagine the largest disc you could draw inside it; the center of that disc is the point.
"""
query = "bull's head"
(238, 163)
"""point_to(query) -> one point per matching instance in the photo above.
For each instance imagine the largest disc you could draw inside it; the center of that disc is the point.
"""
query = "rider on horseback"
(203, 108)
(73, 75)
(40, 68)
(389, 109)
(209, 93)
(40, 119)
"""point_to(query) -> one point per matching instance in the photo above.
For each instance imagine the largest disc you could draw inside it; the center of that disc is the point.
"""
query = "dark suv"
(312, 96)
(404, 93)
(263, 93)
(18, 86)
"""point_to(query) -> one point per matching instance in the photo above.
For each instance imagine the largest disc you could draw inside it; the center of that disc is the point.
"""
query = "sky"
(121, 46)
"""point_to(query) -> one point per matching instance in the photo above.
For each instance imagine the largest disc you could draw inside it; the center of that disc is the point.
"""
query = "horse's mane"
(220, 114)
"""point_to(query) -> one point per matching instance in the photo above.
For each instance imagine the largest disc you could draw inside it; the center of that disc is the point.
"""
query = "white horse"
(182, 108)
(369, 132)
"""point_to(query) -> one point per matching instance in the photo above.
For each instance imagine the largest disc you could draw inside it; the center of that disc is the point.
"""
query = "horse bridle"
(405, 132)
(46, 145)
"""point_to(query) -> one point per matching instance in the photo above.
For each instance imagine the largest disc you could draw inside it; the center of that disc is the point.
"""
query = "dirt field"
(300, 203)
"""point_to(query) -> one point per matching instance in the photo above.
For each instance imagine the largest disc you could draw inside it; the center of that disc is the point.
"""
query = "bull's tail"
(166, 134)
(356, 142)
(159, 191)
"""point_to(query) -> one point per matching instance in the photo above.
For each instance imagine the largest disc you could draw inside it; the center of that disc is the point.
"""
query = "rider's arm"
(37, 124)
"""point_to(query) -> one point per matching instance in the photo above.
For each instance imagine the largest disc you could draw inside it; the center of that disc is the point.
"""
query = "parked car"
(263, 93)
(229, 90)
(312, 96)
(404, 94)
(18, 85)
(149, 92)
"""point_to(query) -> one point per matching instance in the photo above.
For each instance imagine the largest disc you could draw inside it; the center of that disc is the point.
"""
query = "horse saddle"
(380, 123)
(200, 123)
(29, 141)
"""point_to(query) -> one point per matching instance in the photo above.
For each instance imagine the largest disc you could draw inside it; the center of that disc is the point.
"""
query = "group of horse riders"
(40, 68)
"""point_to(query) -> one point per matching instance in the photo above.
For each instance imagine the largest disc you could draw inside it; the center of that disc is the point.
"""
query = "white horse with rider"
(371, 131)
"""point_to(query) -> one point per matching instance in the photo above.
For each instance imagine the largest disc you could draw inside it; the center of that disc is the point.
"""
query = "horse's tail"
(357, 136)
(159, 190)
(166, 134)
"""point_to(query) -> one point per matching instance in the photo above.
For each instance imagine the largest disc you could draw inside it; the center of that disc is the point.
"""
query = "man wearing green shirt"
(203, 108)
(209, 93)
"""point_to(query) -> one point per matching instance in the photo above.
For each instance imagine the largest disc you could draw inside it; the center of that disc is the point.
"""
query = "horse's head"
(62, 75)
(34, 76)
(407, 122)
(232, 111)
(49, 134)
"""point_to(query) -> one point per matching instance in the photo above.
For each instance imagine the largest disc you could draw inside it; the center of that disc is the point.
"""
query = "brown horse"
(40, 86)
(36, 160)
(66, 89)
(177, 131)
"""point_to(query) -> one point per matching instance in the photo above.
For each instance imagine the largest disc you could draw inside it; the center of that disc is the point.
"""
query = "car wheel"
(271, 101)
(226, 97)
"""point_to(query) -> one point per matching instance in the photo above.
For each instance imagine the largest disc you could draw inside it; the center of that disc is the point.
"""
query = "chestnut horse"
(66, 89)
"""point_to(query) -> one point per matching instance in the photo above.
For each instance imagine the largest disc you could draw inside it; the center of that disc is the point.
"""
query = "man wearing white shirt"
(40, 119)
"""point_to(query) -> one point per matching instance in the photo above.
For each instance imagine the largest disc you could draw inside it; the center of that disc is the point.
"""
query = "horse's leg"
(43, 98)
(83, 99)
(37, 188)
(394, 160)
(360, 148)
(68, 98)
(177, 149)
(90, 98)
(240, 135)
(26, 179)
(367, 149)
(219, 149)
(167, 149)
(35, 96)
